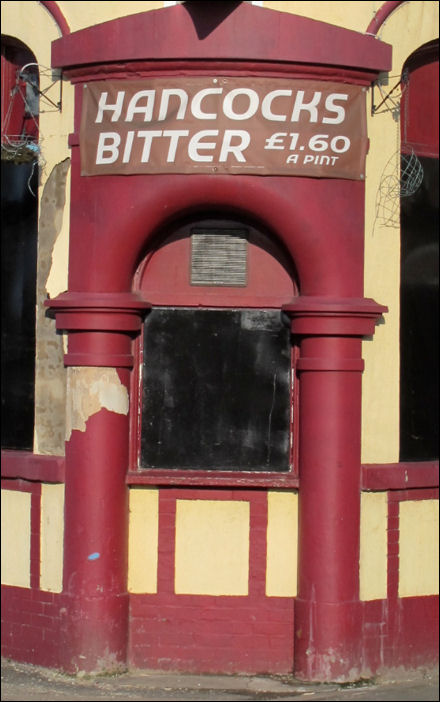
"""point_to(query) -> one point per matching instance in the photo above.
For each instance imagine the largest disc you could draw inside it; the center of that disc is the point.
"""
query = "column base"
(328, 641)
(94, 635)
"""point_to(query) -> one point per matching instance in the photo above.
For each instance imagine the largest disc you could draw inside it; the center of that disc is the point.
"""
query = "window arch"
(419, 261)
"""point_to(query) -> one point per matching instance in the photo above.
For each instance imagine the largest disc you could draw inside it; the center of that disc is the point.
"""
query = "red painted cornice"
(400, 476)
(243, 33)
(334, 316)
(23, 465)
(101, 326)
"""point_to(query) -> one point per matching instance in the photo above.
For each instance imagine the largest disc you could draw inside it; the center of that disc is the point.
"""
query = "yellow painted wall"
(212, 547)
(51, 537)
(282, 544)
(16, 538)
(418, 548)
(143, 540)
(83, 13)
(373, 546)
(350, 14)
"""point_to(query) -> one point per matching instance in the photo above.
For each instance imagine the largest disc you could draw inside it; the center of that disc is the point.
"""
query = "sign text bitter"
(224, 125)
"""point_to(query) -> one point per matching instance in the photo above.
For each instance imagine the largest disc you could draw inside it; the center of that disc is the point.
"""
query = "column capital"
(101, 326)
(98, 310)
(333, 316)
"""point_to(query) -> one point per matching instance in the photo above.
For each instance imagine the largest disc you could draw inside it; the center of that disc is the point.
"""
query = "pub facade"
(221, 440)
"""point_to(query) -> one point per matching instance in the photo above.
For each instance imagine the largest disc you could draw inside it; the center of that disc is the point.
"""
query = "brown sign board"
(224, 125)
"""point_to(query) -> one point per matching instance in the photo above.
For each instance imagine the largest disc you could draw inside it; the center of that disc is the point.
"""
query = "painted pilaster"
(99, 359)
(327, 611)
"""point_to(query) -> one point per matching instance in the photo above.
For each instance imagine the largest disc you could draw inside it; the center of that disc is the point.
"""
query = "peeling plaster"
(57, 279)
(50, 374)
(88, 391)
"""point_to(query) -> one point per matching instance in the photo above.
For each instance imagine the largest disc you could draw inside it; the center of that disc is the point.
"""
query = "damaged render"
(88, 391)
(50, 380)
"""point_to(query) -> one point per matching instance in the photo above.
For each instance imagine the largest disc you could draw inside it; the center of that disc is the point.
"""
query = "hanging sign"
(224, 125)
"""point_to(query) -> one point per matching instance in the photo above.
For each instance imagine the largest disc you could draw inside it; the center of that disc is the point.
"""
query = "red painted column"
(95, 629)
(327, 610)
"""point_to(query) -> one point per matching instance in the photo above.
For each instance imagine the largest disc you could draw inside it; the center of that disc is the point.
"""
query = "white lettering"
(322, 160)
(238, 148)
(340, 149)
(310, 107)
(277, 138)
(116, 108)
(293, 158)
(331, 107)
(230, 97)
(128, 147)
(318, 142)
(147, 109)
(194, 145)
(294, 141)
(174, 135)
(196, 109)
(165, 99)
(104, 146)
(266, 105)
(148, 139)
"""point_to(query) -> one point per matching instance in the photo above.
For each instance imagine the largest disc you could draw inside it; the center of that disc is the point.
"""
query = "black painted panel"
(216, 390)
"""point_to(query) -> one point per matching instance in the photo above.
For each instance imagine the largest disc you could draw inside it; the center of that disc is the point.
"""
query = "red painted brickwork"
(211, 634)
(31, 626)
(228, 634)
(206, 633)
(31, 618)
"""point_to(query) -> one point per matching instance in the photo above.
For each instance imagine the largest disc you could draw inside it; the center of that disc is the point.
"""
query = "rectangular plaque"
(224, 125)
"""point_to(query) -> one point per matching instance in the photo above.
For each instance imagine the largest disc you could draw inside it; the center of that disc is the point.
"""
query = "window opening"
(419, 349)
(216, 390)
(19, 213)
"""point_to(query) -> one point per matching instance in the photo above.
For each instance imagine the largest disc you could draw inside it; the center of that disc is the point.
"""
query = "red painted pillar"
(101, 327)
(327, 611)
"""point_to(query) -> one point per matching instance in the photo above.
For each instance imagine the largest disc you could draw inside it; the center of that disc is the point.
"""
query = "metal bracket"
(55, 77)
(395, 106)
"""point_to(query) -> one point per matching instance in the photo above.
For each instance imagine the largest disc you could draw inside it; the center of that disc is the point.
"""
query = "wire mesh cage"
(411, 174)
(401, 177)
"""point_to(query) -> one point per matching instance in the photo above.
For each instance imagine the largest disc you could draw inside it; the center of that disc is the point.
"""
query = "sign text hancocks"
(224, 125)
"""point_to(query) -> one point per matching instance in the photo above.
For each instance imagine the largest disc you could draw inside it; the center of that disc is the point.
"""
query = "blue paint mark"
(93, 556)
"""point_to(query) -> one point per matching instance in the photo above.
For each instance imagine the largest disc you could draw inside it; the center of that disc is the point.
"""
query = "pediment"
(236, 31)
